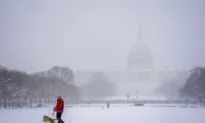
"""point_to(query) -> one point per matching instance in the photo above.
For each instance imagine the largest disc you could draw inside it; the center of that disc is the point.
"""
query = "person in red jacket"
(59, 109)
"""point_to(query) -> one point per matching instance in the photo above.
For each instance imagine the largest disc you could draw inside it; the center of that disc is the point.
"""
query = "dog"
(48, 119)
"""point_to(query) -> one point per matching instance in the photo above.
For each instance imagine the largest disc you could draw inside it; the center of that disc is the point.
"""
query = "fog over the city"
(97, 35)
(93, 46)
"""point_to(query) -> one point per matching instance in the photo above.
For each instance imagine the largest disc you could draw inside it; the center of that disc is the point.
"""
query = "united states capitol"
(140, 76)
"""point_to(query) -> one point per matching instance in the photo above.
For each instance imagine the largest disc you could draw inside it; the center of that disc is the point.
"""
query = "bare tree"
(195, 84)
(3, 76)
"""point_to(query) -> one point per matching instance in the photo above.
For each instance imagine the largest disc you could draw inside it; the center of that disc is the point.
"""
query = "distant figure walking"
(108, 104)
(59, 109)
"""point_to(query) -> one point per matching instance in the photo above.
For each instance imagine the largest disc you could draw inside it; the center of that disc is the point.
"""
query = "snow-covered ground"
(99, 114)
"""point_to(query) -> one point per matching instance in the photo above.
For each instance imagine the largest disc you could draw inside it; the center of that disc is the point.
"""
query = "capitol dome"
(140, 57)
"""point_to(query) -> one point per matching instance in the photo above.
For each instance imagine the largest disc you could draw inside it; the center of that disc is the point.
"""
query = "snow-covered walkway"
(111, 115)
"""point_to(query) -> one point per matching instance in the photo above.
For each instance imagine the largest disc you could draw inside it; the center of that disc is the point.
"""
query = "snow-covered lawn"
(111, 115)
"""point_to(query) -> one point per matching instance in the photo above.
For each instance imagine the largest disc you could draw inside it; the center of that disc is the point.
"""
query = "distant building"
(140, 75)
(140, 56)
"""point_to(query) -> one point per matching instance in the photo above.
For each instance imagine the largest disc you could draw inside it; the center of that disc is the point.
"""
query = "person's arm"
(57, 106)
(61, 106)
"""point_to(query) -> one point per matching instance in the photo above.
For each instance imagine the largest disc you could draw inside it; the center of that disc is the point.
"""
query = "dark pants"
(58, 115)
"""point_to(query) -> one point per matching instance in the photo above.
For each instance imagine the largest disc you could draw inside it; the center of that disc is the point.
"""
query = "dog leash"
(52, 115)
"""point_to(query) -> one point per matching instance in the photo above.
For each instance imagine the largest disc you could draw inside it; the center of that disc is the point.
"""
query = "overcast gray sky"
(98, 34)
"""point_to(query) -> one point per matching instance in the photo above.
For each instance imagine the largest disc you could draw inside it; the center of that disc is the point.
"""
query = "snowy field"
(119, 114)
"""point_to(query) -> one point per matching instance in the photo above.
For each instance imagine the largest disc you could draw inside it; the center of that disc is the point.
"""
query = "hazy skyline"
(91, 34)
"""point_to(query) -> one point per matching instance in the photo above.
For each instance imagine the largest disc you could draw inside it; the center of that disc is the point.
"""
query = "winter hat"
(59, 97)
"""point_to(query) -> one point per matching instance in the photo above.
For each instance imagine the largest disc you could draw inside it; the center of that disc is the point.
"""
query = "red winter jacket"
(59, 106)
